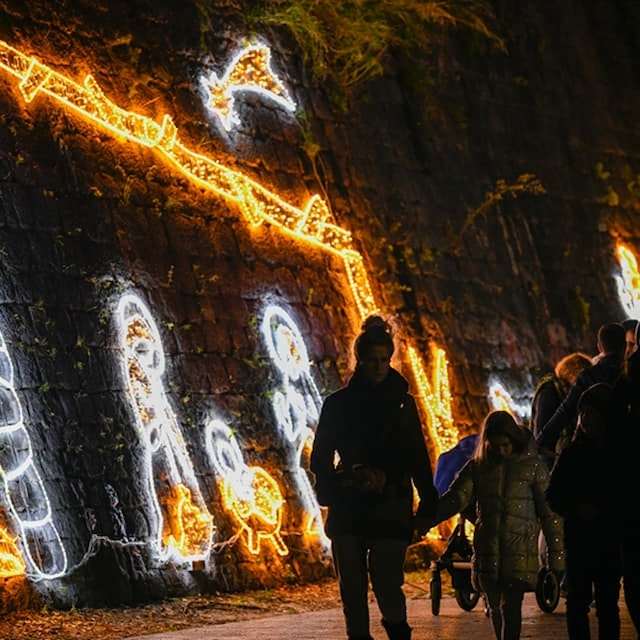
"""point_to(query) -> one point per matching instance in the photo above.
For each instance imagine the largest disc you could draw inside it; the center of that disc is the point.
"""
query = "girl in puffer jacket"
(508, 479)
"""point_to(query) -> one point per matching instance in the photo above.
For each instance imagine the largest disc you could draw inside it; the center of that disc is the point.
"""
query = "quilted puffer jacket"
(510, 505)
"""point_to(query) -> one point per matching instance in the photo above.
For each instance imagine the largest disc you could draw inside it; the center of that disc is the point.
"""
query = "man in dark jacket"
(580, 490)
(558, 430)
(626, 404)
(368, 450)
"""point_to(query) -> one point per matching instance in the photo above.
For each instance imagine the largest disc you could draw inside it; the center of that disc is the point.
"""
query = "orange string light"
(11, 562)
(258, 204)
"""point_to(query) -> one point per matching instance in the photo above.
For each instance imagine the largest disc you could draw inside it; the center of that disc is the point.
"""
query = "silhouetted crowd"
(558, 493)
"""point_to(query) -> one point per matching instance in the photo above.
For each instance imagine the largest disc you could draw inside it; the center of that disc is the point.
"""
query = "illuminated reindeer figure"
(184, 523)
(250, 494)
(296, 404)
(24, 491)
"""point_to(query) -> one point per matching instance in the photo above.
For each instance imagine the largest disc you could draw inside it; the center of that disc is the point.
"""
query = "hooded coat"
(511, 503)
(376, 427)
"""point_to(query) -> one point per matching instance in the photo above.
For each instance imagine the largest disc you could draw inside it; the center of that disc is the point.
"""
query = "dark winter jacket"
(511, 505)
(584, 489)
(625, 434)
(547, 397)
(608, 369)
(378, 428)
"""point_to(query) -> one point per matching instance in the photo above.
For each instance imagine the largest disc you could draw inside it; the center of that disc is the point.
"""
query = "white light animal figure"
(501, 400)
(184, 525)
(296, 405)
(249, 493)
(628, 282)
(25, 493)
(250, 70)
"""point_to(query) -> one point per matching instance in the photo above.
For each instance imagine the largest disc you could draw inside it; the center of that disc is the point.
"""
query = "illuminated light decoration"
(184, 525)
(11, 562)
(435, 398)
(500, 400)
(628, 282)
(250, 494)
(249, 70)
(187, 526)
(24, 491)
(310, 224)
(296, 404)
(257, 203)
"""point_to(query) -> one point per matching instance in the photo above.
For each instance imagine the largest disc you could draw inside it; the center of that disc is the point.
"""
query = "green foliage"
(580, 310)
(345, 43)
(525, 183)
(621, 189)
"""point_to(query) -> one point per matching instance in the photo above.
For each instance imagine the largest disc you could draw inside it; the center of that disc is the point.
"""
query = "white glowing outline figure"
(249, 493)
(249, 70)
(25, 493)
(628, 282)
(296, 405)
(501, 400)
(165, 450)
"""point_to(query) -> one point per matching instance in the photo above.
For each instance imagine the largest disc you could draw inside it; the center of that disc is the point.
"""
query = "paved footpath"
(452, 624)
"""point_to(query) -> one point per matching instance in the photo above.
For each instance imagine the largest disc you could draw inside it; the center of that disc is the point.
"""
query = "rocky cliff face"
(174, 304)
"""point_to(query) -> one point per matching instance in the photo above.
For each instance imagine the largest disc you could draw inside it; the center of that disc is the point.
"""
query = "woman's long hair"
(499, 423)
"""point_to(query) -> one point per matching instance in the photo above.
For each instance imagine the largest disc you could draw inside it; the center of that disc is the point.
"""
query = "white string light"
(24, 491)
(183, 523)
(296, 404)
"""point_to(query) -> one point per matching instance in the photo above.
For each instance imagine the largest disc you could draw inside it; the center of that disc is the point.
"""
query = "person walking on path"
(508, 478)
(626, 403)
(558, 431)
(368, 450)
(551, 390)
(584, 490)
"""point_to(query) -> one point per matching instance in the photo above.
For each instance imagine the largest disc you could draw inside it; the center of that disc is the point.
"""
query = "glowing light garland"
(183, 522)
(435, 398)
(24, 491)
(628, 282)
(296, 404)
(250, 70)
(250, 494)
(257, 203)
(312, 223)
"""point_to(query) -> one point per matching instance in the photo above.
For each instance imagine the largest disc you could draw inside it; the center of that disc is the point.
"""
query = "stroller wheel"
(547, 590)
(467, 599)
(436, 592)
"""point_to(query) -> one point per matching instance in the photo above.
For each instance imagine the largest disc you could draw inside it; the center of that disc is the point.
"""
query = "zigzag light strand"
(311, 223)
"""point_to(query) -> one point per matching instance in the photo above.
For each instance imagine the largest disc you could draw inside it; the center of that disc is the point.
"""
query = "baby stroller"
(456, 557)
(456, 560)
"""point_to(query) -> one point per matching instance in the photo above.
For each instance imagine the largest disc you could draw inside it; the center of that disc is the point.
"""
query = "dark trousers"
(593, 573)
(631, 573)
(356, 559)
(505, 609)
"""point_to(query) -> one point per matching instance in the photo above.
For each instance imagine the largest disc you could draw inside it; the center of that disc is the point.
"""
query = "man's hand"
(368, 479)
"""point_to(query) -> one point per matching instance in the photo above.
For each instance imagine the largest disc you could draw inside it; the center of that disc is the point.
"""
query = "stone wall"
(88, 217)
